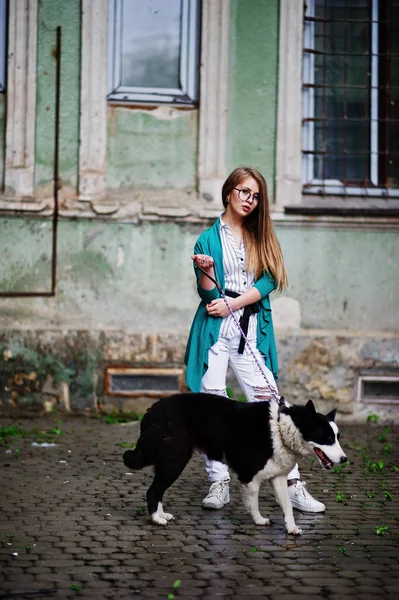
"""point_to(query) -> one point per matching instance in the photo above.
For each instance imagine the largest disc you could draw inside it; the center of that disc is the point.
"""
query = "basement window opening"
(378, 390)
(133, 382)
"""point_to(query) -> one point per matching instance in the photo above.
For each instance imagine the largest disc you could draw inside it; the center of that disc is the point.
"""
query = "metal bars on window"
(350, 127)
(153, 50)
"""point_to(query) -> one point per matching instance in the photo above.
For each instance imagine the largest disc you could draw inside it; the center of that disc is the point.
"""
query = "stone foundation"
(43, 370)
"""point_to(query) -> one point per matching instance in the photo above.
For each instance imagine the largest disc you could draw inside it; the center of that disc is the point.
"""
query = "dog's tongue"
(326, 462)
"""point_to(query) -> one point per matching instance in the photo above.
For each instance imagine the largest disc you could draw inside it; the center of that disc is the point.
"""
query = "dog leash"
(272, 390)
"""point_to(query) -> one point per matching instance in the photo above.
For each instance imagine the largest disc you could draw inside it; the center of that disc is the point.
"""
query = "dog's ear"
(331, 415)
(310, 406)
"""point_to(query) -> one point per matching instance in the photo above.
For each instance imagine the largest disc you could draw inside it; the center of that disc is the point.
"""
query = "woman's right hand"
(203, 261)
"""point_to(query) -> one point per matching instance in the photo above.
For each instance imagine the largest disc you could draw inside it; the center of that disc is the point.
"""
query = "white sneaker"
(218, 495)
(302, 500)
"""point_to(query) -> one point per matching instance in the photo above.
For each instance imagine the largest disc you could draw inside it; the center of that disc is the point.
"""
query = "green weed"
(5, 539)
(126, 445)
(343, 550)
(375, 467)
(383, 437)
(140, 510)
(339, 469)
(175, 587)
(55, 431)
(116, 417)
(373, 418)
(10, 431)
(340, 497)
(381, 530)
(370, 494)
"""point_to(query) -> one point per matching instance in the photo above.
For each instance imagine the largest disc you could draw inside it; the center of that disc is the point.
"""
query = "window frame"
(329, 186)
(291, 204)
(3, 45)
(189, 64)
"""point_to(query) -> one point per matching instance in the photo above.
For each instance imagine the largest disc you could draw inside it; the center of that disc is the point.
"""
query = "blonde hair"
(262, 247)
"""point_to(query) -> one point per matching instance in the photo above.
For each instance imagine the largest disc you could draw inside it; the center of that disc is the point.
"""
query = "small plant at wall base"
(26, 372)
(117, 416)
(373, 418)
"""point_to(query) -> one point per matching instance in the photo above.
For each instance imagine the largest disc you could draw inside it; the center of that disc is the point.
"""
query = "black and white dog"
(258, 440)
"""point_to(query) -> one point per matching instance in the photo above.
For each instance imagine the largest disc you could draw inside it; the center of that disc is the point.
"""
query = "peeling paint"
(162, 113)
(120, 261)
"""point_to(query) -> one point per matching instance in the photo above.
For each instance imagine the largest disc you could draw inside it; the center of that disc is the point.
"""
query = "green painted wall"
(139, 277)
(2, 137)
(344, 279)
(53, 13)
(253, 62)
(146, 150)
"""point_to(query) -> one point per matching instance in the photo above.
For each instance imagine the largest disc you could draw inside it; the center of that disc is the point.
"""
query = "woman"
(242, 252)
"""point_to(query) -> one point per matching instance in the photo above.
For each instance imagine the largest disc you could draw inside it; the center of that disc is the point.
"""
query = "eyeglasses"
(246, 196)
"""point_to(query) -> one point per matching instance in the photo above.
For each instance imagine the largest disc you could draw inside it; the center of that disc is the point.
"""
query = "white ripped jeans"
(220, 356)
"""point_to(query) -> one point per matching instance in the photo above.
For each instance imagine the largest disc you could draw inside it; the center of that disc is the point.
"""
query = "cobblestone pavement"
(73, 524)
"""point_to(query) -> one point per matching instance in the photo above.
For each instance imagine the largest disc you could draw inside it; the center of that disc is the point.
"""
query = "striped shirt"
(237, 279)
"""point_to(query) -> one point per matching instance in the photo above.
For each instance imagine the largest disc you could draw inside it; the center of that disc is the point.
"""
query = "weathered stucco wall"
(253, 69)
(53, 13)
(125, 293)
(125, 286)
(152, 148)
(111, 274)
(2, 135)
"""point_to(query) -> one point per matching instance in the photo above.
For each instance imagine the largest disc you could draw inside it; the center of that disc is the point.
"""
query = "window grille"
(350, 126)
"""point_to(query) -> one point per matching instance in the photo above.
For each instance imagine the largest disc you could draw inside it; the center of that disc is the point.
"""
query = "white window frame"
(289, 111)
(3, 44)
(21, 99)
(214, 73)
(329, 186)
(189, 43)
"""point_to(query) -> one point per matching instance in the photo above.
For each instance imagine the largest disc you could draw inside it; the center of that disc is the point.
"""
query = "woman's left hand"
(217, 308)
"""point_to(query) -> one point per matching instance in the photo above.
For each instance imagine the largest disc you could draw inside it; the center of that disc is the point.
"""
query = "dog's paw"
(294, 530)
(155, 518)
(168, 516)
(262, 521)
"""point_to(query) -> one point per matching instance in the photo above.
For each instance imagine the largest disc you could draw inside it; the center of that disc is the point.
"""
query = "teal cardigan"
(205, 329)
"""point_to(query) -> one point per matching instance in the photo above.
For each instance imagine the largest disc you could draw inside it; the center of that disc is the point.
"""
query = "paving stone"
(90, 531)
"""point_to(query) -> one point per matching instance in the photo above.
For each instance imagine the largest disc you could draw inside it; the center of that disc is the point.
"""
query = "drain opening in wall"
(378, 389)
(127, 381)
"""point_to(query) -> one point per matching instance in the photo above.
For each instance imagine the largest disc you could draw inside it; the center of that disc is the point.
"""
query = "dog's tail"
(135, 459)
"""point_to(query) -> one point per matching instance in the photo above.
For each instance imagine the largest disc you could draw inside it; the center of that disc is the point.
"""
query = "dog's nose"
(343, 460)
